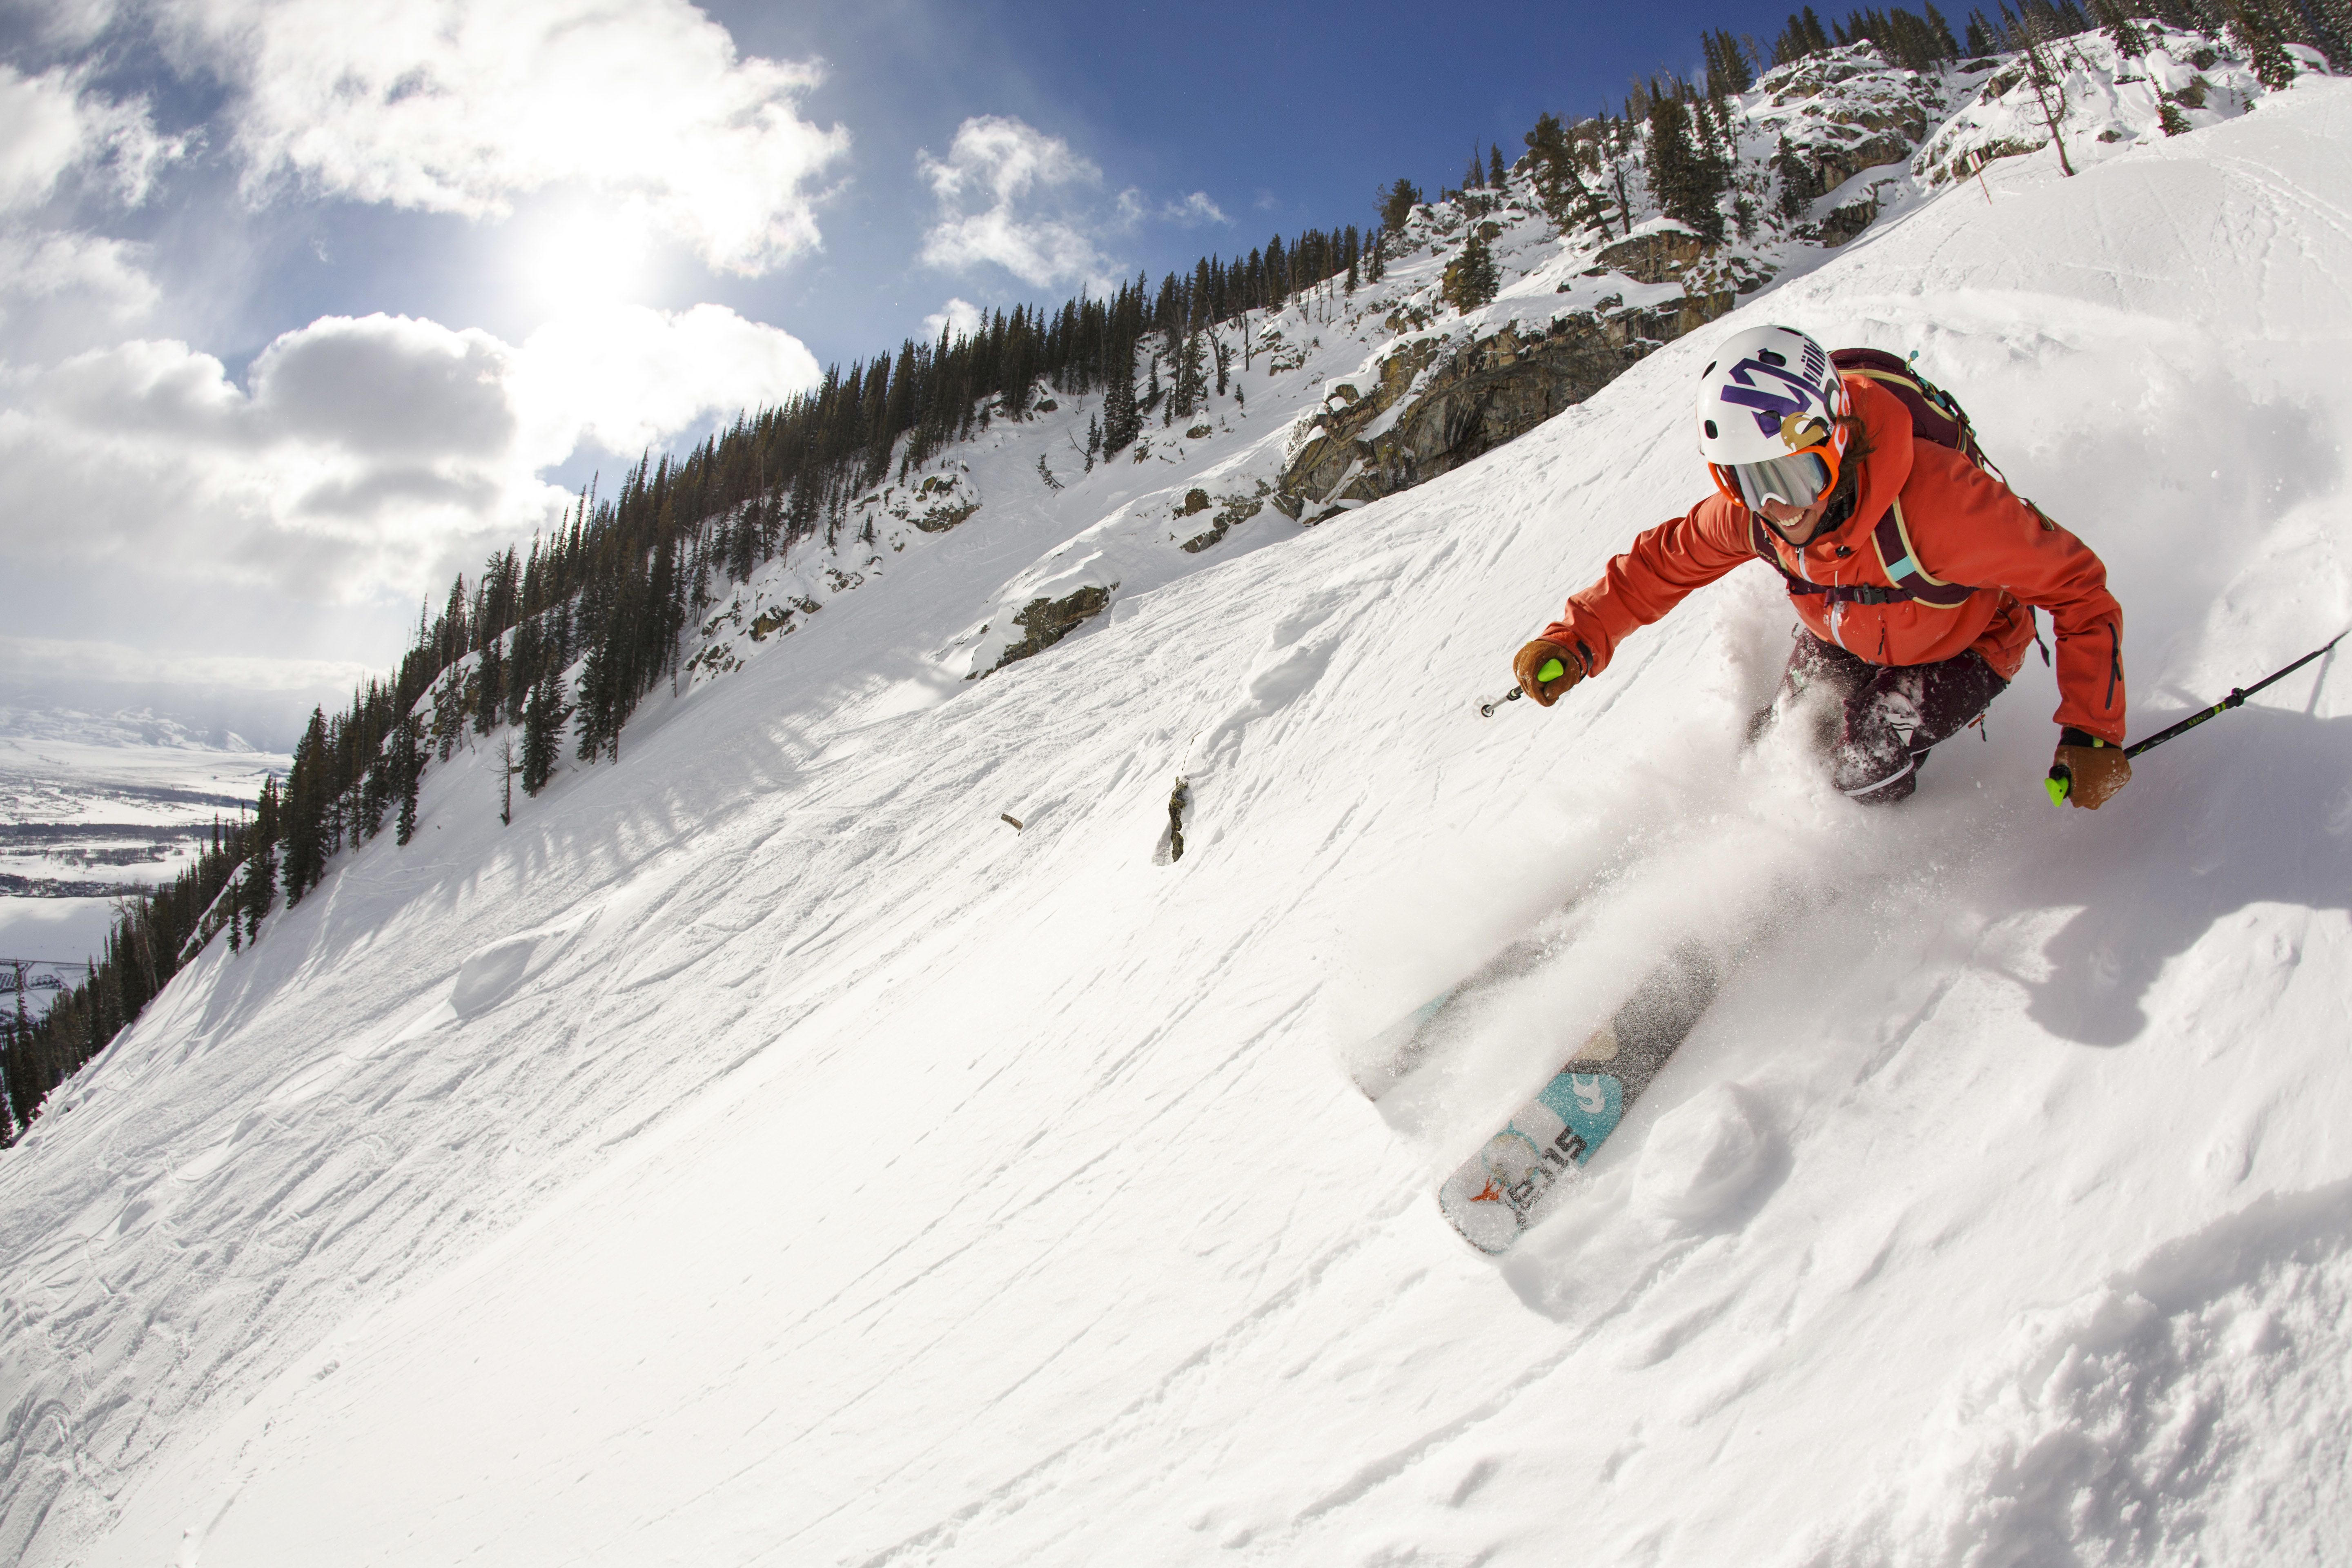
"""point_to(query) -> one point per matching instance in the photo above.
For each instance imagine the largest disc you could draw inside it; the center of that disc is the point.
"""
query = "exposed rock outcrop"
(1491, 391)
(1048, 621)
(1236, 509)
(939, 503)
(1844, 222)
(1661, 256)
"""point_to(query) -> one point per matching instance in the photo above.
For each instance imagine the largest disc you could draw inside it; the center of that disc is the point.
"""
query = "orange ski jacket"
(1963, 526)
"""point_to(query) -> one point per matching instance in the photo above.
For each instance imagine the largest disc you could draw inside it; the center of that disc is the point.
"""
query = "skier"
(1912, 571)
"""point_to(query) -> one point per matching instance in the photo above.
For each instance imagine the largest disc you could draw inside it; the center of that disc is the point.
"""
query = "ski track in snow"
(759, 1153)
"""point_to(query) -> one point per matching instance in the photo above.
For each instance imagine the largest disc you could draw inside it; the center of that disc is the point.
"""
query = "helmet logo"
(1779, 397)
(1801, 430)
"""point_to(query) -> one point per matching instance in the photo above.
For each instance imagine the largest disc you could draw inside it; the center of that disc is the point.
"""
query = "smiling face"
(1797, 524)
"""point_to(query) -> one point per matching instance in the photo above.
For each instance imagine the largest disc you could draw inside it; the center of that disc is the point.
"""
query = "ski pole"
(2061, 781)
(1549, 670)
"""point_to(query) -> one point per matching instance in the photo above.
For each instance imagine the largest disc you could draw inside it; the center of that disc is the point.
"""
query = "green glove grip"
(1551, 669)
(2060, 783)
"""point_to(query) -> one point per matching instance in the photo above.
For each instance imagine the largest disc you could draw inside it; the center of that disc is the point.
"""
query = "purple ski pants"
(1879, 721)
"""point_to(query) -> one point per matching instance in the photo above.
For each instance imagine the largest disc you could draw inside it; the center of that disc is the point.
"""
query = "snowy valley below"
(763, 1152)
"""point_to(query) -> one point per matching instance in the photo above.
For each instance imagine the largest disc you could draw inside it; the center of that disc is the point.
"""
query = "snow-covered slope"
(762, 1152)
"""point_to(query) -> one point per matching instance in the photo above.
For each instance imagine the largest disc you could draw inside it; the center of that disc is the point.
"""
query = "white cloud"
(625, 377)
(959, 316)
(52, 125)
(1196, 208)
(364, 457)
(57, 290)
(1010, 195)
(451, 106)
(36, 661)
(1004, 158)
(1005, 192)
(61, 289)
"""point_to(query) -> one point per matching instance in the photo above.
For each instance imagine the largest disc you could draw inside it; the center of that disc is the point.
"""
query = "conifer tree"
(409, 768)
(1799, 184)
(542, 726)
(304, 829)
(1472, 280)
(2049, 90)
(2121, 28)
(491, 698)
(261, 862)
(1496, 175)
(374, 795)
(1727, 68)
(1121, 422)
(1396, 204)
(1559, 189)
(2257, 31)
(1191, 377)
(1685, 179)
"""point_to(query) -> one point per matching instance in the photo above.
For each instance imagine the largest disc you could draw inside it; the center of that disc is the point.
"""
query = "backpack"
(1935, 415)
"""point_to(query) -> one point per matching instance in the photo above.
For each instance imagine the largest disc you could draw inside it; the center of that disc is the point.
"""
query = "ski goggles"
(1799, 479)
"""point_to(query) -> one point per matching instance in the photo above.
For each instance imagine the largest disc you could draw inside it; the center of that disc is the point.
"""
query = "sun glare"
(583, 259)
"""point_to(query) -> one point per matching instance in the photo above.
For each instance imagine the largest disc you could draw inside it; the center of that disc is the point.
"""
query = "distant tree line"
(153, 936)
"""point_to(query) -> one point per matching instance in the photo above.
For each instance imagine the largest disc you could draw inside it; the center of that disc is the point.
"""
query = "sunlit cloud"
(625, 377)
(959, 316)
(53, 125)
(1005, 192)
(61, 291)
(364, 456)
(445, 106)
(1196, 208)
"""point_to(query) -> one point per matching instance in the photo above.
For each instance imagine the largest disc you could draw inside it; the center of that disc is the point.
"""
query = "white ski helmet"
(1768, 408)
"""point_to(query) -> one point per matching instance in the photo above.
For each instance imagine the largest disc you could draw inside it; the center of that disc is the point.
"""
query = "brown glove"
(2094, 769)
(1531, 661)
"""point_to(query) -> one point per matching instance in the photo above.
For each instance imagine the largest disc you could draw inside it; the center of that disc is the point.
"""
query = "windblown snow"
(760, 1152)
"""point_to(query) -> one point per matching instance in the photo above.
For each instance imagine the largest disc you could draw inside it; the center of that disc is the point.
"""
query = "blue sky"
(305, 304)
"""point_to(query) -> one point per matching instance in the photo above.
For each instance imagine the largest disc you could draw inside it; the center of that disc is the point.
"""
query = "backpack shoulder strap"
(1833, 592)
(1892, 539)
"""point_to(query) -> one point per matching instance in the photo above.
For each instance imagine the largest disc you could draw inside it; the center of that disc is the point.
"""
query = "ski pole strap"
(2061, 781)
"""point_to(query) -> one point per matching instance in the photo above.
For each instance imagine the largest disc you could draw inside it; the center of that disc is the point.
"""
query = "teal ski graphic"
(1496, 1191)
